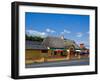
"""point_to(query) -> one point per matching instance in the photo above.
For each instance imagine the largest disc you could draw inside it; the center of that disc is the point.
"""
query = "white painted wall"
(5, 40)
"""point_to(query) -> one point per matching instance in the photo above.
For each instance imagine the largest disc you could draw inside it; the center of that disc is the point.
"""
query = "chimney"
(81, 45)
(62, 37)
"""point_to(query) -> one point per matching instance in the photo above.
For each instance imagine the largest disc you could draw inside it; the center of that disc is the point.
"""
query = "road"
(59, 63)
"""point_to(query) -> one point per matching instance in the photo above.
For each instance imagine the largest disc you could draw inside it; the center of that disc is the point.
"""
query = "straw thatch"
(53, 42)
(57, 42)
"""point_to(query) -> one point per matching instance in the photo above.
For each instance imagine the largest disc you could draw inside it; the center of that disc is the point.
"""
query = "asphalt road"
(59, 63)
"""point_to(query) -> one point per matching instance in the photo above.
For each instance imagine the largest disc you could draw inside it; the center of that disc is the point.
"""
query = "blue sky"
(74, 27)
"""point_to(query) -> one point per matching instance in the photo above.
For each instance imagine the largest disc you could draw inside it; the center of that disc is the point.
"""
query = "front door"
(72, 51)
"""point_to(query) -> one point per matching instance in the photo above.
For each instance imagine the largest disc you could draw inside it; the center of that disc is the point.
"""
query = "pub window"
(44, 51)
(62, 53)
(55, 53)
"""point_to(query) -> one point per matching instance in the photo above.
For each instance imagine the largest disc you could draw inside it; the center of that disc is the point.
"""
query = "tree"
(34, 38)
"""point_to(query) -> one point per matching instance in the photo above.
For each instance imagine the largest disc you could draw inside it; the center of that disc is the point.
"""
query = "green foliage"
(34, 38)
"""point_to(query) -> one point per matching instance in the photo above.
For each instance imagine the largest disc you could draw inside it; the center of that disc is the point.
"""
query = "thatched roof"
(57, 42)
(53, 42)
(69, 43)
(35, 45)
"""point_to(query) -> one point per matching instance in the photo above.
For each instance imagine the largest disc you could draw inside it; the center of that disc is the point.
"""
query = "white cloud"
(35, 33)
(50, 30)
(65, 31)
(47, 30)
(79, 34)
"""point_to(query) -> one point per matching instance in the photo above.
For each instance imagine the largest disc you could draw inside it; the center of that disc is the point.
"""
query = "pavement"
(77, 62)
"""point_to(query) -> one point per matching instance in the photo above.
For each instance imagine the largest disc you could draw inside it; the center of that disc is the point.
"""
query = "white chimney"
(62, 37)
